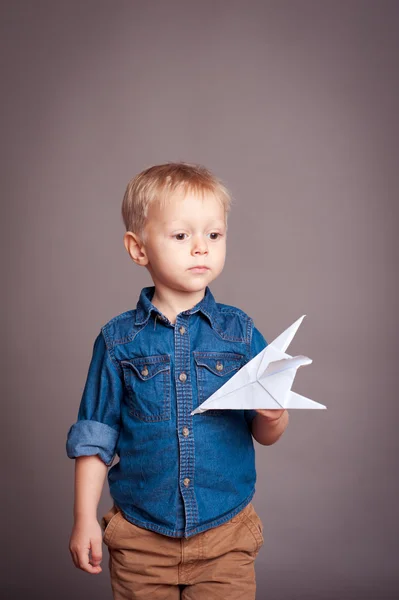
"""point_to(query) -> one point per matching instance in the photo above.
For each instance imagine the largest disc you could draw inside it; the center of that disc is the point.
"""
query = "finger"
(74, 557)
(84, 564)
(272, 414)
(96, 552)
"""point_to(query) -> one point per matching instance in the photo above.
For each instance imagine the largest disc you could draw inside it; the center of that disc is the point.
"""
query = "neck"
(172, 302)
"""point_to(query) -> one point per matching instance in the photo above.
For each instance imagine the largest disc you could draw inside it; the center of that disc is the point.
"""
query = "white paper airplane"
(265, 381)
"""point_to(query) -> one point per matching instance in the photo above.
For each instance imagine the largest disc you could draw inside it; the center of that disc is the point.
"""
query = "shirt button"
(144, 371)
(186, 481)
(186, 431)
(183, 377)
(219, 366)
(182, 330)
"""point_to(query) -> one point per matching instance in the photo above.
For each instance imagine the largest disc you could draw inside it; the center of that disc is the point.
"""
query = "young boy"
(182, 524)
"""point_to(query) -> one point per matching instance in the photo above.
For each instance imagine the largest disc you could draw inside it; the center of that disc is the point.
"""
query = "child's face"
(188, 231)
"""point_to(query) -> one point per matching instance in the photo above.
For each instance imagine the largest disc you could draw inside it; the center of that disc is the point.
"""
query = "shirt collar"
(144, 306)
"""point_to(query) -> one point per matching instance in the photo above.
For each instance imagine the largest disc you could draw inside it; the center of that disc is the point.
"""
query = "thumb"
(96, 552)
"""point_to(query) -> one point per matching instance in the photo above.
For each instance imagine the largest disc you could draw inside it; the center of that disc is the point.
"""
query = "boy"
(182, 524)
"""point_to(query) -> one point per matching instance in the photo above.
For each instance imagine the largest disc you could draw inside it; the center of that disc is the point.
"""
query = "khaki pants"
(211, 565)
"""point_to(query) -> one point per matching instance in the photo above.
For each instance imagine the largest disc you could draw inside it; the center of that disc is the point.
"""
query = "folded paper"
(265, 381)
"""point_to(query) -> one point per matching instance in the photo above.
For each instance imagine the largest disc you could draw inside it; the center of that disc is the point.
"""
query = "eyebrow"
(185, 222)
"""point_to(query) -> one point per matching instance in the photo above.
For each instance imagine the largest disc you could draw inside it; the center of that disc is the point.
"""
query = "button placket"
(184, 419)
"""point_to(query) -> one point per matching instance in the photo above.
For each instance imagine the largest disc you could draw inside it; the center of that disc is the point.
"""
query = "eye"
(216, 234)
(179, 237)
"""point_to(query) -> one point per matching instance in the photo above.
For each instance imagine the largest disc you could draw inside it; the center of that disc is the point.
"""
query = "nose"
(200, 245)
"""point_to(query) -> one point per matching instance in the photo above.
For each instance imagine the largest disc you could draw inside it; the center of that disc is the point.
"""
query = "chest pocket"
(213, 370)
(148, 384)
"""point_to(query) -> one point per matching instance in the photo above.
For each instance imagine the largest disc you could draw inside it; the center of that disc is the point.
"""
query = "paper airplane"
(265, 381)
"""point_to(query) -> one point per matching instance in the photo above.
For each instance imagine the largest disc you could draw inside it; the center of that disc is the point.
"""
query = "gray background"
(294, 104)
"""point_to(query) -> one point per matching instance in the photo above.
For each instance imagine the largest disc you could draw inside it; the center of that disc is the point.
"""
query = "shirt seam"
(176, 533)
(250, 335)
(110, 350)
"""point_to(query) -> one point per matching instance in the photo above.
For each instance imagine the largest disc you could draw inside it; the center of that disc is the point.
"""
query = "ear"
(135, 248)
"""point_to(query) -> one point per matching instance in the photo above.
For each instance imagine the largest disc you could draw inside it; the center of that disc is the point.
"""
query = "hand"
(86, 536)
(271, 415)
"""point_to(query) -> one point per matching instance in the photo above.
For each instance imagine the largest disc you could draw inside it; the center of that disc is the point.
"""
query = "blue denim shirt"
(177, 474)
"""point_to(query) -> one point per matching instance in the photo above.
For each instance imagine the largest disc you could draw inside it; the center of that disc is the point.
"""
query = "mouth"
(199, 269)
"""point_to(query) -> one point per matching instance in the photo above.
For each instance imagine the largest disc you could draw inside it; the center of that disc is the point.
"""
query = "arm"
(92, 441)
(90, 472)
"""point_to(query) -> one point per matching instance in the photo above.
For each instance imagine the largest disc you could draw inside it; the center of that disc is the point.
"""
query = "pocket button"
(148, 387)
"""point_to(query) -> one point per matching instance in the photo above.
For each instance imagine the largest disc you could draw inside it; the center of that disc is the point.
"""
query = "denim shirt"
(178, 474)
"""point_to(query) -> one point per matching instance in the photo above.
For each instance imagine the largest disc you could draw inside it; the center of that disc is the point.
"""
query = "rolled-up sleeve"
(258, 343)
(97, 428)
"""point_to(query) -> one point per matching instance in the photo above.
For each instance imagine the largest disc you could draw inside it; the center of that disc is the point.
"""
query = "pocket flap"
(219, 363)
(146, 367)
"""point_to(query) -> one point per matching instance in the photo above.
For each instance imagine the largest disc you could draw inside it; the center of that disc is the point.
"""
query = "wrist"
(84, 517)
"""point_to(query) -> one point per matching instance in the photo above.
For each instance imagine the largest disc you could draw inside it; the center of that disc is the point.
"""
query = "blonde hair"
(158, 182)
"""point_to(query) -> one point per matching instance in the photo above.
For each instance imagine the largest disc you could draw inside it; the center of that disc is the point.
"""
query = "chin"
(195, 286)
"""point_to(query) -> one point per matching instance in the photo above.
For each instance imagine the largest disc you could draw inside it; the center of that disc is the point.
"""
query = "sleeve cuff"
(250, 414)
(88, 438)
